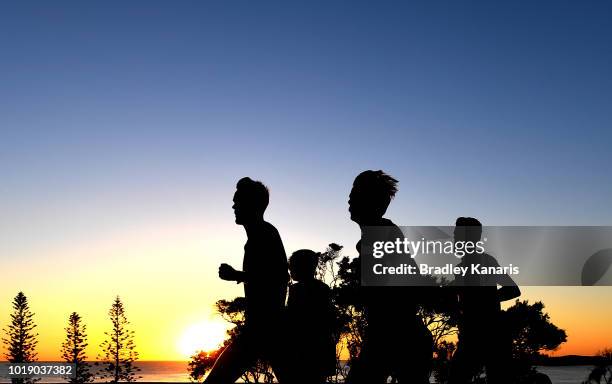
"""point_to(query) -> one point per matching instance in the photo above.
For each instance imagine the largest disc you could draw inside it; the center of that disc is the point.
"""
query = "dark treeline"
(115, 361)
(532, 331)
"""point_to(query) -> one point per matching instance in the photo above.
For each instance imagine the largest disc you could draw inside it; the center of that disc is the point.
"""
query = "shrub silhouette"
(200, 363)
(602, 372)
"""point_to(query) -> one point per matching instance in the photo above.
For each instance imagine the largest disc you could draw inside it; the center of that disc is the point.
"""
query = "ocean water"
(176, 372)
(574, 374)
(150, 371)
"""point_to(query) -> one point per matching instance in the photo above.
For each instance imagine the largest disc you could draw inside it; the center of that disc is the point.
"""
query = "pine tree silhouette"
(119, 350)
(20, 341)
(73, 349)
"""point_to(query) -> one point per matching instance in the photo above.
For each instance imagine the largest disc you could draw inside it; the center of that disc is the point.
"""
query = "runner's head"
(250, 200)
(303, 264)
(371, 195)
(468, 229)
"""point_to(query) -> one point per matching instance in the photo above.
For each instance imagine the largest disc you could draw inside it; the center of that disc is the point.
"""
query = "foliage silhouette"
(119, 350)
(73, 349)
(602, 372)
(442, 359)
(200, 363)
(532, 331)
(20, 341)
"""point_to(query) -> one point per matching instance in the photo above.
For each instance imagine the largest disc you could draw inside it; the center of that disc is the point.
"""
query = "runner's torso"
(265, 264)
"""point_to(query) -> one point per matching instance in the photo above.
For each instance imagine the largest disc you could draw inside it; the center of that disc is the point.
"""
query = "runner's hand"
(227, 272)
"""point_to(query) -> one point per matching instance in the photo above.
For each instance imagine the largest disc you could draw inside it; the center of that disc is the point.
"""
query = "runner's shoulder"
(488, 260)
(269, 230)
(393, 231)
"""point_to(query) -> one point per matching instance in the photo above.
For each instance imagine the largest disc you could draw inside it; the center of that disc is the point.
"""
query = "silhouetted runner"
(396, 342)
(483, 335)
(265, 278)
(310, 321)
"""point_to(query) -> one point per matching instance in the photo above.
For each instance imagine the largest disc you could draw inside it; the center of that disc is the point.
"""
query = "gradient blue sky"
(138, 117)
(149, 109)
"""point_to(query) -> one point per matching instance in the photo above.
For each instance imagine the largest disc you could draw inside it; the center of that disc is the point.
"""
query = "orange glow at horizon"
(583, 312)
(169, 286)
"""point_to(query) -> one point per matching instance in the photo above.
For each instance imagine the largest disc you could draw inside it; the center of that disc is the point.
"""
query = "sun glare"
(205, 336)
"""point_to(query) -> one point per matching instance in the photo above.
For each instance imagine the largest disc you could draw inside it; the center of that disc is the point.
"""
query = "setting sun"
(204, 336)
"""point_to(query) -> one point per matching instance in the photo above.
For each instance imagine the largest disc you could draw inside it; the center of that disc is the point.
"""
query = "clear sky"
(125, 125)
